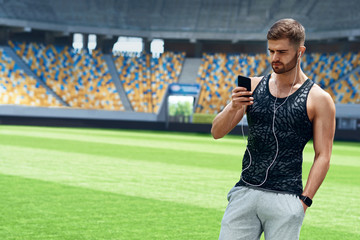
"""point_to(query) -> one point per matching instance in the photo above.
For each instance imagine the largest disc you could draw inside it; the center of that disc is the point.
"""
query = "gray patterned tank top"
(293, 130)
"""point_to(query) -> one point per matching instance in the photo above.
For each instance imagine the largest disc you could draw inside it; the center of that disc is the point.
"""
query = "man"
(285, 110)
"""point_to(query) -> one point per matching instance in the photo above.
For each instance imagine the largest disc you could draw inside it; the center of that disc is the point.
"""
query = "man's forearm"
(317, 175)
(225, 121)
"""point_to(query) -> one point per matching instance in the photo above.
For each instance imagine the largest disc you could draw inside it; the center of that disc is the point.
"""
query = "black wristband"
(306, 200)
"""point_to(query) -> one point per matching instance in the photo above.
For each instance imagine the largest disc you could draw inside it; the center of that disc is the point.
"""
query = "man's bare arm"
(323, 129)
(232, 114)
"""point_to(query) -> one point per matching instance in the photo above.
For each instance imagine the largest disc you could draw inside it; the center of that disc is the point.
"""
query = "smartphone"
(244, 82)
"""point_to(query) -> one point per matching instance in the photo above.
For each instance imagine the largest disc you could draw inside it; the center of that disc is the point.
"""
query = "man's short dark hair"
(287, 28)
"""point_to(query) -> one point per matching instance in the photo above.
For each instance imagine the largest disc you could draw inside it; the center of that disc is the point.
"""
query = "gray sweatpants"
(251, 212)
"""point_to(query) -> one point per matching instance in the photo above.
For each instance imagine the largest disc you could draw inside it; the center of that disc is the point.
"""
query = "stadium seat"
(217, 75)
(347, 90)
(327, 68)
(18, 88)
(80, 78)
(146, 78)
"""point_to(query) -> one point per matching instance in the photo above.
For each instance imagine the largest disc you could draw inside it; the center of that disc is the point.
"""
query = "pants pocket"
(302, 213)
(232, 191)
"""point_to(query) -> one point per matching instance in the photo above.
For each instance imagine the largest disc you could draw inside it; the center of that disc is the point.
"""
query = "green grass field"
(68, 183)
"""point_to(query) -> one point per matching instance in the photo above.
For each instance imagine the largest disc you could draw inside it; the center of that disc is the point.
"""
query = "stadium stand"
(145, 78)
(218, 72)
(326, 68)
(18, 88)
(217, 76)
(193, 27)
(81, 79)
(329, 71)
(348, 90)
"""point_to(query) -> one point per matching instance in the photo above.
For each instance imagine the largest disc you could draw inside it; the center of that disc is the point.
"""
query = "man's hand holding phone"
(241, 95)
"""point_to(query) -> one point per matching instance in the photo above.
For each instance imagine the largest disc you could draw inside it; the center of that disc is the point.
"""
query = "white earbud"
(299, 54)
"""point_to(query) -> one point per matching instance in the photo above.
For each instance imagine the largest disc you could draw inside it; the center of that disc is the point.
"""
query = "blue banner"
(184, 89)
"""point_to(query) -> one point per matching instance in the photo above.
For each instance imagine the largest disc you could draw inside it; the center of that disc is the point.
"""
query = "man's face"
(283, 55)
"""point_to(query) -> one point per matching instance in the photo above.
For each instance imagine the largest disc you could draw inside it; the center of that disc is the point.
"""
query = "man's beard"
(284, 68)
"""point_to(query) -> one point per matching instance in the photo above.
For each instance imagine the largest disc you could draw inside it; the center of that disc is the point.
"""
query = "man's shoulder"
(320, 100)
(319, 94)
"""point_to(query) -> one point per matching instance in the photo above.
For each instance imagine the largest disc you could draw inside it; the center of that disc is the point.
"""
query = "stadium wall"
(348, 120)
(73, 113)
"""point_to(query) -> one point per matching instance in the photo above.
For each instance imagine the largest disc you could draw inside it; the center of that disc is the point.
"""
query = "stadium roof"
(233, 20)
